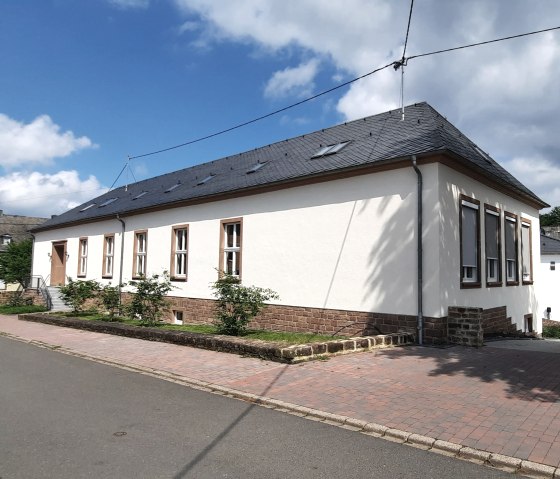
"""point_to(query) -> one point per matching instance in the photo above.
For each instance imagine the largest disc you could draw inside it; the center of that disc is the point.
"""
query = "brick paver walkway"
(499, 400)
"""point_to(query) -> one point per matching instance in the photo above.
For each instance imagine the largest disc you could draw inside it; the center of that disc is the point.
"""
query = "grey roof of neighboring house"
(549, 245)
(17, 227)
(375, 139)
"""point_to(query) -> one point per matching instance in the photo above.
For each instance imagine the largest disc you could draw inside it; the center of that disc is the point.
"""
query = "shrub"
(76, 293)
(238, 304)
(16, 299)
(109, 298)
(551, 331)
(148, 302)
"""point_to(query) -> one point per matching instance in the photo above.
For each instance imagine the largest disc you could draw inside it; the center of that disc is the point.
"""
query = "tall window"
(470, 243)
(179, 253)
(82, 257)
(526, 256)
(140, 250)
(510, 232)
(230, 250)
(108, 255)
(493, 246)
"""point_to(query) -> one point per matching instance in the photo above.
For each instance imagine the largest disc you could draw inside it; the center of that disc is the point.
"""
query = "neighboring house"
(329, 220)
(15, 228)
(549, 280)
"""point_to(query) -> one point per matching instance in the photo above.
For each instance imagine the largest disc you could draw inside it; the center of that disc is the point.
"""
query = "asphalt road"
(67, 417)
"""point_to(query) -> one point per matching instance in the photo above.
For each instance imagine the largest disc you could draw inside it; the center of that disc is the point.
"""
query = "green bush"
(148, 302)
(16, 299)
(109, 298)
(238, 304)
(76, 293)
(551, 332)
(33, 308)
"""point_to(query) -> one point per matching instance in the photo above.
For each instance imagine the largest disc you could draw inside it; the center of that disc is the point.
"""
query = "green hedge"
(551, 332)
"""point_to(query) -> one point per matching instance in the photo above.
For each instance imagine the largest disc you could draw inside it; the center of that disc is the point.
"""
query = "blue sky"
(86, 83)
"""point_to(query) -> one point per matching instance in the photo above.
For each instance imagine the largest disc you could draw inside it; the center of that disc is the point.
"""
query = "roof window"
(206, 180)
(87, 207)
(139, 195)
(107, 202)
(330, 149)
(256, 167)
(171, 188)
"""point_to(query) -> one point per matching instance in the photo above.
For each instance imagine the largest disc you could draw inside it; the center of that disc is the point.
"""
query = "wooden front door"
(58, 264)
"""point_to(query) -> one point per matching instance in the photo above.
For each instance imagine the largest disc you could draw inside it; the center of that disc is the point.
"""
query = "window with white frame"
(492, 245)
(526, 257)
(231, 248)
(177, 317)
(179, 253)
(108, 255)
(470, 248)
(140, 251)
(510, 233)
(82, 257)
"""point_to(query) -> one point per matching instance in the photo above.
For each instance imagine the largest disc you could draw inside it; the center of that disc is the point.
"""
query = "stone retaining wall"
(237, 345)
(496, 322)
(465, 326)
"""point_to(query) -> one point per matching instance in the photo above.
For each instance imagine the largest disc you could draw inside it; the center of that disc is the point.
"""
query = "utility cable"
(254, 120)
(407, 28)
(396, 65)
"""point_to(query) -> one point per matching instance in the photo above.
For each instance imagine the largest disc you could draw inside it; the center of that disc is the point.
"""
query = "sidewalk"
(502, 401)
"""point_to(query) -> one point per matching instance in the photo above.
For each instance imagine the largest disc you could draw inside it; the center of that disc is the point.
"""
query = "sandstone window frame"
(140, 254)
(526, 252)
(179, 253)
(108, 255)
(493, 245)
(82, 257)
(469, 238)
(511, 247)
(231, 252)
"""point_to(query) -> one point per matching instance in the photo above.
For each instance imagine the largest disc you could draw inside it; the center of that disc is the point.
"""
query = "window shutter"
(510, 240)
(525, 249)
(492, 236)
(469, 236)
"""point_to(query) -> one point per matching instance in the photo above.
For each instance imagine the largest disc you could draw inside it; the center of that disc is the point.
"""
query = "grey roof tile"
(372, 139)
(549, 245)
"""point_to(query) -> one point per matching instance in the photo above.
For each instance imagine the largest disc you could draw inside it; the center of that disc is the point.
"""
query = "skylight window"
(330, 149)
(170, 189)
(107, 202)
(87, 207)
(205, 180)
(256, 167)
(140, 195)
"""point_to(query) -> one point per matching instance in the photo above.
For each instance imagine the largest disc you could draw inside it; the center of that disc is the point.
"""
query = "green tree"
(76, 293)
(110, 299)
(238, 304)
(552, 218)
(148, 302)
(15, 262)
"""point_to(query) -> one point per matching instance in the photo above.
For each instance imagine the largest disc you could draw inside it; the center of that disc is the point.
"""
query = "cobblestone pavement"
(504, 401)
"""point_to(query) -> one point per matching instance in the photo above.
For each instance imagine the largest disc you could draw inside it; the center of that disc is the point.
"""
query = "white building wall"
(549, 286)
(344, 244)
(520, 300)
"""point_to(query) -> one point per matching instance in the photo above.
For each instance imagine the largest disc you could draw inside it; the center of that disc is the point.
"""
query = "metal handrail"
(37, 282)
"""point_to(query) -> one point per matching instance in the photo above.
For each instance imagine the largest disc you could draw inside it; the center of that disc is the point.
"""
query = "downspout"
(419, 253)
(121, 262)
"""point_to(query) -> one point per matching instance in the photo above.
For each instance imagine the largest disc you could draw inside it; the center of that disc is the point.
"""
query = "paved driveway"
(498, 399)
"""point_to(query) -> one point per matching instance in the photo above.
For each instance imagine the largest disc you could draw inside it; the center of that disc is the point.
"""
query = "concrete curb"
(497, 461)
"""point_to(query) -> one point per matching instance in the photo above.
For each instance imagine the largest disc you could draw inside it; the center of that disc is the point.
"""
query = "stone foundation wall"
(32, 294)
(465, 326)
(496, 322)
(324, 321)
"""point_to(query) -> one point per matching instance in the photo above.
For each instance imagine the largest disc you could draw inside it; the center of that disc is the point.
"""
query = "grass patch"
(287, 338)
(30, 308)
(551, 332)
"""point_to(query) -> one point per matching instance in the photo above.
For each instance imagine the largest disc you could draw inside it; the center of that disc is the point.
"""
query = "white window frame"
(512, 265)
(231, 255)
(493, 267)
(526, 263)
(108, 255)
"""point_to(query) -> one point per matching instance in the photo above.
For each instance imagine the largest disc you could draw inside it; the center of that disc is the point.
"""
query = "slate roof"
(17, 227)
(549, 245)
(379, 138)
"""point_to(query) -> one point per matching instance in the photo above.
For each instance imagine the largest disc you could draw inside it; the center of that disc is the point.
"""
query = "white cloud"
(293, 81)
(38, 142)
(39, 194)
(127, 4)
(504, 96)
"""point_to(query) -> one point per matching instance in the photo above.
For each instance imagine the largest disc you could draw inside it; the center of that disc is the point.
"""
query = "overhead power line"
(395, 64)
(408, 28)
